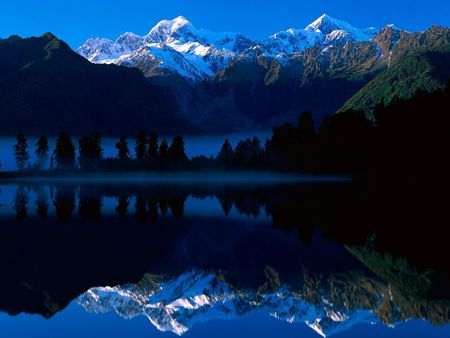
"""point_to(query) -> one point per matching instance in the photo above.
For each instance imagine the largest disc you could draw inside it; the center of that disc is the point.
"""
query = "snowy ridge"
(175, 45)
(202, 53)
(323, 32)
(195, 297)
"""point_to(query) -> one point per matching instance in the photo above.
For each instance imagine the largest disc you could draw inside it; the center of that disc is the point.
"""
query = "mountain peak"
(181, 20)
(330, 26)
(49, 36)
(394, 27)
(165, 29)
(327, 23)
(173, 25)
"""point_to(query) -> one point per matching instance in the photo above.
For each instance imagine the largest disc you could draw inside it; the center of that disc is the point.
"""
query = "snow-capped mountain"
(177, 46)
(177, 305)
(174, 45)
(323, 32)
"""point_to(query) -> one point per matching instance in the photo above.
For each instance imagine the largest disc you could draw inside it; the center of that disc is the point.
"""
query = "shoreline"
(182, 177)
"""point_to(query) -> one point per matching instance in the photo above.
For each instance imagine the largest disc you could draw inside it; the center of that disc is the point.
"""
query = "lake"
(207, 145)
(288, 257)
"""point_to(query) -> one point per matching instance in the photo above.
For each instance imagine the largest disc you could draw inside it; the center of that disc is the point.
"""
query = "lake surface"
(207, 145)
(287, 258)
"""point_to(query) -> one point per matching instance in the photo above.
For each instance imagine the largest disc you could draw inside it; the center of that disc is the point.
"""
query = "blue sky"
(76, 20)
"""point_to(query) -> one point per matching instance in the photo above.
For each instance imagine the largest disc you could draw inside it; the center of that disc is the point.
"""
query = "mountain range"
(177, 46)
(181, 79)
(228, 82)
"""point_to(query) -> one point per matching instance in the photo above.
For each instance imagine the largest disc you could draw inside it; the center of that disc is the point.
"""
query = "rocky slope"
(226, 82)
(416, 61)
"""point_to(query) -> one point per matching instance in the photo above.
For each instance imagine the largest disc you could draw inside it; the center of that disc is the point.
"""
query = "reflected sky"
(74, 322)
(303, 253)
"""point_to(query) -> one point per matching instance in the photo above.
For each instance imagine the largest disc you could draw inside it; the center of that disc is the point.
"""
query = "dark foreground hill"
(45, 87)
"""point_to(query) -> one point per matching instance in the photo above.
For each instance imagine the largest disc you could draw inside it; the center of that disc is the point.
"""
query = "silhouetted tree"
(307, 142)
(141, 146)
(257, 151)
(248, 152)
(281, 150)
(64, 153)
(91, 151)
(41, 152)
(226, 154)
(346, 142)
(21, 151)
(176, 150)
(153, 146)
(164, 150)
(122, 149)
(305, 128)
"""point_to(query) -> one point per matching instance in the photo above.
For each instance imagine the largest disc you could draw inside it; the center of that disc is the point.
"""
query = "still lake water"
(195, 146)
(202, 259)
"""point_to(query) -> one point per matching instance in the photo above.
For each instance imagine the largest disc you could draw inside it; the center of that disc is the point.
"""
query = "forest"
(404, 137)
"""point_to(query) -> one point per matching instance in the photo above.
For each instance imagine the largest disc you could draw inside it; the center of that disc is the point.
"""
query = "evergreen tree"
(164, 150)
(21, 151)
(141, 146)
(305, 128)
(42, 151)
(283, 141)
(248, 152)
(306, 154)
(153, 146)
(257, 150)
(91, 151)
(122, 148)
(176, 150)
(64, 153)
(226, 154)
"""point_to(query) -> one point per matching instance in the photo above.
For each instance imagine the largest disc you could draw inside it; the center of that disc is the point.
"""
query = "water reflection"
(177, 305)
(21, 204)
(310, 253)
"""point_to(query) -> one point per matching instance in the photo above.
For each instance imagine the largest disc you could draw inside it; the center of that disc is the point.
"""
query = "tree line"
(403, 135)
(149, 153)
(147, 150)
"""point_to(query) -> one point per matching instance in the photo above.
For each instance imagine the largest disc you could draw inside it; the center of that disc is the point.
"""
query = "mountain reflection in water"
(329, 255)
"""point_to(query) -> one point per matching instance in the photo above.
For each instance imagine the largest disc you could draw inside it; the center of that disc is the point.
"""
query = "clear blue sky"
(76, 20)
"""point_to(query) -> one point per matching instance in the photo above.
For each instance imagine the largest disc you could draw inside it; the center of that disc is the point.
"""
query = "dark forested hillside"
(418, 61)
(258, 91)
(45, 87)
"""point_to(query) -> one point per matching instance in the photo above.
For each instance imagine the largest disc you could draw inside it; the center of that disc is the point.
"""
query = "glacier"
(177, 47)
